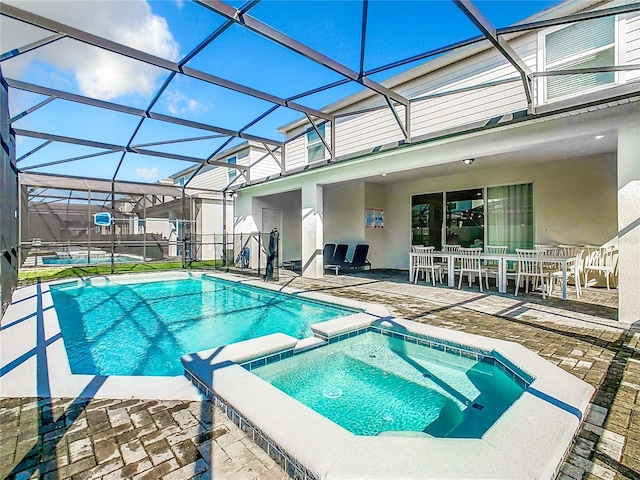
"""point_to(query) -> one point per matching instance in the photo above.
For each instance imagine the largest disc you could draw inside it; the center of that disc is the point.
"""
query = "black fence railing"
(255, 254)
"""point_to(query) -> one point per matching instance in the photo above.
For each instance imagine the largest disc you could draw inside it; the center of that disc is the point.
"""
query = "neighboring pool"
(373, 383)
(144, 328)
(83, 260)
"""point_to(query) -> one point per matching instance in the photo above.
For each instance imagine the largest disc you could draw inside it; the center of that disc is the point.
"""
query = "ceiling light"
(468, 161)
(598, 137)
(383, 174)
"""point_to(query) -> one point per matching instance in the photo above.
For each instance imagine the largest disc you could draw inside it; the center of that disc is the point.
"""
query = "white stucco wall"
(375, 196)
(344, 214)
(574, 201)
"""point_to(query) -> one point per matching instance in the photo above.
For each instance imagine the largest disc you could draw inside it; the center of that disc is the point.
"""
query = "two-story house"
(535, 140)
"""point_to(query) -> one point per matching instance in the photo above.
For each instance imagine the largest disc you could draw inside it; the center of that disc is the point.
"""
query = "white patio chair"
(456, 263)
(530, 267)
(569, 250)
(491, 266)
(471, 264)
(424, 263)
(572, 273)
(607, 264)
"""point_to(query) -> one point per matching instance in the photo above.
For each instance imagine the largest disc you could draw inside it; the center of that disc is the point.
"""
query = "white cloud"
(99, 74)
(147, 173)
(179, 104)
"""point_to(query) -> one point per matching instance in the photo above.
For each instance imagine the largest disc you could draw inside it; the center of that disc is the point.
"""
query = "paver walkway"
(115, 439)
(77, 438)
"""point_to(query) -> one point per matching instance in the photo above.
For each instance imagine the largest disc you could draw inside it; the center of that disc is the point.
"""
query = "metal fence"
(112, 227)
(255, 254)
(10, 255)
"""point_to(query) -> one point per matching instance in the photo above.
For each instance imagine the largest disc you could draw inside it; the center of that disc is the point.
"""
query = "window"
(510, 216)
(585, 44)
(426, 220)
(232, 171)
(465, 218)
(315, 147)
(503, 215)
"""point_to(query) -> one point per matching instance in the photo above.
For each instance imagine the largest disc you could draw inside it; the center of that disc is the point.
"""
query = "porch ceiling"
(579, 146)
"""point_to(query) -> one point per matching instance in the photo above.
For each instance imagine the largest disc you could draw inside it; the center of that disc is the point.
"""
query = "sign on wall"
(373, 217)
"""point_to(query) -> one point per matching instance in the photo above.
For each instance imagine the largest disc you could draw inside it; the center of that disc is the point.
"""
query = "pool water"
(83, 260)
(144, 328)
(372, 383)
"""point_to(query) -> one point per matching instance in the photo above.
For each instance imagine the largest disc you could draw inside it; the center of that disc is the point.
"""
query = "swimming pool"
(525, 434)
(84, 259)
(372, 383)
(129, 327)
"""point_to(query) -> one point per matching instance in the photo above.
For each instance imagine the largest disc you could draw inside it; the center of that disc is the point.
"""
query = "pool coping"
(530, 440)
(33, 357)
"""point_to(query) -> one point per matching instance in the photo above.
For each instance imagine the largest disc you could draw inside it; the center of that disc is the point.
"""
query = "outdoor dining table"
(502, 260)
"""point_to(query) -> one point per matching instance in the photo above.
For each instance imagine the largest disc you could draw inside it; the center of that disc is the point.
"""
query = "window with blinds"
(315, 147)
(586, 44)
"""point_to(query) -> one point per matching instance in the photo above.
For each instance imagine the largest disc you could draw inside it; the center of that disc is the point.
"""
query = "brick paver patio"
(85, 438)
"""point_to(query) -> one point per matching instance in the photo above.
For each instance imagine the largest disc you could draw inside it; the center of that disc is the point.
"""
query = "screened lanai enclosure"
(67, 222)
(126, 136)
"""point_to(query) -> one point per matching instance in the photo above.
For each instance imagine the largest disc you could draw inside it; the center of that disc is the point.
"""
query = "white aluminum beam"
(320, 136)
(577, 17)
(488, 30)
(121, 148)
(27, 87)
(103, 43)
(280, 38)
(32, 46)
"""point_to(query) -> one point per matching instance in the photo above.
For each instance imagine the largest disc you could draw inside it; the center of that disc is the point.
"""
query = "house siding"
(367, 130)
(480, 87)
(267, 166)
(632, 45)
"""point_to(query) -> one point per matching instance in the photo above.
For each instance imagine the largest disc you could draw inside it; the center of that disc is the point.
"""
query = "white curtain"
(510, 216)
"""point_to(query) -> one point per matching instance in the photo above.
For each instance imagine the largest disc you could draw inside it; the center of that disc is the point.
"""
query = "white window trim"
(231, 170)
(618, 78)
(308, 144)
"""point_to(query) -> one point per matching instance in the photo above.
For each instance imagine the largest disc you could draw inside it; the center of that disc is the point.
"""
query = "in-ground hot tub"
(501, 411)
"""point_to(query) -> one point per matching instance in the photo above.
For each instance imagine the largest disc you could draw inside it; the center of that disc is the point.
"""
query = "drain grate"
(477, 406)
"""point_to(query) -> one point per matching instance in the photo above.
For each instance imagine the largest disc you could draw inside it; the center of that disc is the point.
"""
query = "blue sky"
(171, 29)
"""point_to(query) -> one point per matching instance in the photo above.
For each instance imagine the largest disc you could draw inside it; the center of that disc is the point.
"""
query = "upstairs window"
(585, 44)
(232, 171)
(315, 147)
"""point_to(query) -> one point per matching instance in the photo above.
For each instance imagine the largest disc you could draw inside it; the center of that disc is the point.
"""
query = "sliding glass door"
(465, 218)
(426, 220)
(510, 216)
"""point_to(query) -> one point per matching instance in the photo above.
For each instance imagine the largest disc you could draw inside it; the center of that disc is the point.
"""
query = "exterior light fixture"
(383, 174)
(468, 161)
(598, 137)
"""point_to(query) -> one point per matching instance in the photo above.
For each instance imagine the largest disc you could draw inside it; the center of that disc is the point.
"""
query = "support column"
(312, 231)
(629, 224)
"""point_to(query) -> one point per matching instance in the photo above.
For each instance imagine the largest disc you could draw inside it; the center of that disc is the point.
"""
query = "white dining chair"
(491, 267)
(572, 273)
(425, 264)
(607, 261)
(530, 266)
(471, 264)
